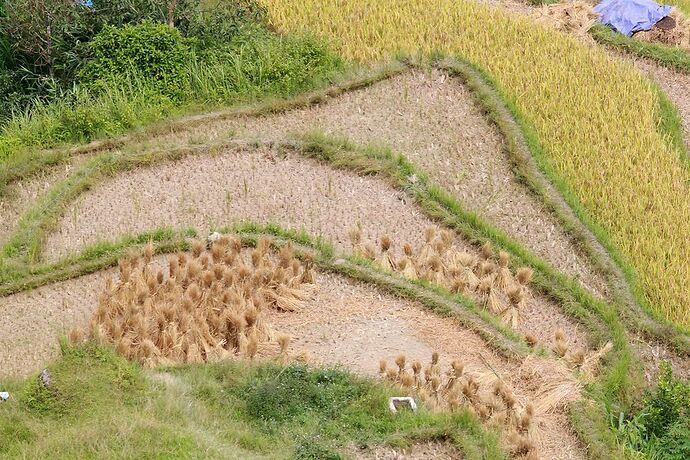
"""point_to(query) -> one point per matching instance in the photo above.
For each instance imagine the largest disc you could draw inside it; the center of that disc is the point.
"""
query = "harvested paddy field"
(390, 231)
(433, 120)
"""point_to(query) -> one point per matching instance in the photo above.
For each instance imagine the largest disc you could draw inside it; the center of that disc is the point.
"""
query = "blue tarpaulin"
(630, 16)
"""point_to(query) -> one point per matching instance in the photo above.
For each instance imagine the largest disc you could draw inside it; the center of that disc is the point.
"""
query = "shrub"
(218, 22)
(675, 445)
(153, 52)
(667, 404)
(661, 429)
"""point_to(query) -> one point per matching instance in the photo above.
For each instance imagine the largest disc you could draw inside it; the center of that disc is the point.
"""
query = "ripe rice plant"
(598, 120)
(210, 305)
(440, 262)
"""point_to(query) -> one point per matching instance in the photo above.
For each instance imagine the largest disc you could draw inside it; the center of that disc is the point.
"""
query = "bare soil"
(354, 325)
(259, 186)
(235, 186)
(33, 321)
(434, 121)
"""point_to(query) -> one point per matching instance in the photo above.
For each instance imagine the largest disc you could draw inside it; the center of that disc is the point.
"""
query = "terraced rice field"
(399, 220)
(600, 139)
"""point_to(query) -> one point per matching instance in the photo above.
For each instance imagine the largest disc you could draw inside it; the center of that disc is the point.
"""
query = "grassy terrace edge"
(527, 154)
(588, 415)
(666, 56)
(25, 166)
(440, 205)
(118, 409)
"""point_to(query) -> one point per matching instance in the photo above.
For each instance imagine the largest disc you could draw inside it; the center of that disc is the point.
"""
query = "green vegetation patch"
(661, 427)
(98, 405)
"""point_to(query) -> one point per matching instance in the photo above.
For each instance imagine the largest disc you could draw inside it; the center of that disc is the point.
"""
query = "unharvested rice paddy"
(600, 136)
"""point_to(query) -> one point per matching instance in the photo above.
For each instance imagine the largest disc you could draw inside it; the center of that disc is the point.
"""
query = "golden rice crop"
(596, 118)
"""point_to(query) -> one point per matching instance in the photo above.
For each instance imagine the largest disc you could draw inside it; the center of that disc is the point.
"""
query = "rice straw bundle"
(385, 260)
(205, 310)
(678, 36)
(575, 17)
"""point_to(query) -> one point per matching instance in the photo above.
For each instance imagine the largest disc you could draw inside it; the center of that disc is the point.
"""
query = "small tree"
(35, 28)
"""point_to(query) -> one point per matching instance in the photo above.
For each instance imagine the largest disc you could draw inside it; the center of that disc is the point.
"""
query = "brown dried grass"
(487, 397)
(486, 277)
(679, 36)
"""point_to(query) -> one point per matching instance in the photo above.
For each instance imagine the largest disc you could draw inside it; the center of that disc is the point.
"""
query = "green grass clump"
(99, 405)
(661, 426)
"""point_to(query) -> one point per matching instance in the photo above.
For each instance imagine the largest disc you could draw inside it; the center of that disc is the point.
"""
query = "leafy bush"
(216, 23)
(661, 429)
(675, 445)
(668, 404)
(154, 52)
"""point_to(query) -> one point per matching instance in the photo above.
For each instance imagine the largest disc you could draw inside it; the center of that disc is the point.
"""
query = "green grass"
(98, 405)
(667, 56)
(262, 66)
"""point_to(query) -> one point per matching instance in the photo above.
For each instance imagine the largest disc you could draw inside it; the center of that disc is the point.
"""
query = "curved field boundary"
(523, 147)
(34, 225)
(600, 136)
(591, 427)
(166, 240)
(666, 56)
(38, 222)
(26, 166)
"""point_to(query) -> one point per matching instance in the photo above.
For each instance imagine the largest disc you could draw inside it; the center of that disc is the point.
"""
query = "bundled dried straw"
(480, 393)
(678, 36)
(555, 386)
(209, 307)
(575, 17)
(485, 276)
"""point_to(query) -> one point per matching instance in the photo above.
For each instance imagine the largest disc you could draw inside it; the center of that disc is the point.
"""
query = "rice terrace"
(329, 229)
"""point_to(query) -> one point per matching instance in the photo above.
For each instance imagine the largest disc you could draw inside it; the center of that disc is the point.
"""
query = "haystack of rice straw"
(486, 277)
(575, 17)
(679, 36)
(208, 306)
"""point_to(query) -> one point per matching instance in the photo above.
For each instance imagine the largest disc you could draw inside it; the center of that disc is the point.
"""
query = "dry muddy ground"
(433, 120)
(347, 323)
